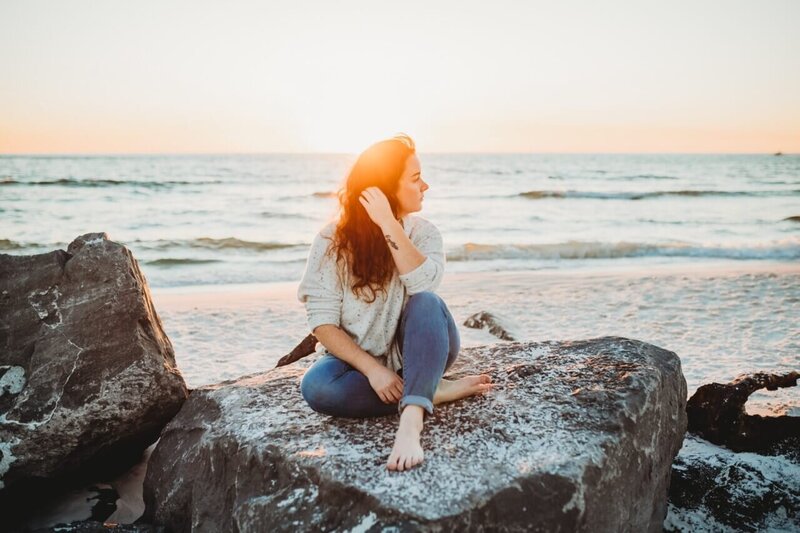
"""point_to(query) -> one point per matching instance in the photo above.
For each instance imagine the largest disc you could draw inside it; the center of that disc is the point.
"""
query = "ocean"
(239, 219)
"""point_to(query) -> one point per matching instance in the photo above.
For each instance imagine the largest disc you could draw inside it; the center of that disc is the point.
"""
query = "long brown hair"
(358, 241)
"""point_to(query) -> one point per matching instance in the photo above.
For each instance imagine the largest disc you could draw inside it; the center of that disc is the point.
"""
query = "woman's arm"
(406, 256)
(321, 292)
(386, 383)
(421, 265)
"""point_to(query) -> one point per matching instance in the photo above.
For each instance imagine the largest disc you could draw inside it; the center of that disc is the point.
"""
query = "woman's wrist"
(390, 224)
(371, 366)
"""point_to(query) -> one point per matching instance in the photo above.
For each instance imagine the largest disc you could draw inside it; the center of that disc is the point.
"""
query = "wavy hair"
(357, 240)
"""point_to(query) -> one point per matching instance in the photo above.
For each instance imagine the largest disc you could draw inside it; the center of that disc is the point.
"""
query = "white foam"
(7, 457)
(366, 523)
(13, 381)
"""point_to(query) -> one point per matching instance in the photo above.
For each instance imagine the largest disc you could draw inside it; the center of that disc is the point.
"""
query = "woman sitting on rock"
(368, 291)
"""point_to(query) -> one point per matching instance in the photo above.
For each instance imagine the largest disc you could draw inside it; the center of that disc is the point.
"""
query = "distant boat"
(778, 153)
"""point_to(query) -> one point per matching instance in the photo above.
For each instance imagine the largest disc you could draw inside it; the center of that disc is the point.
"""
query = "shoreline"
(721, 318)
(179, 297)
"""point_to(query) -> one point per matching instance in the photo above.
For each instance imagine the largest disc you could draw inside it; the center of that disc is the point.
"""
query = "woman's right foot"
(407, 450)
(449, 391)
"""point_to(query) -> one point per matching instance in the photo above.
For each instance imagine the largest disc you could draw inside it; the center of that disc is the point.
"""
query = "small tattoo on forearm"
(391, 242)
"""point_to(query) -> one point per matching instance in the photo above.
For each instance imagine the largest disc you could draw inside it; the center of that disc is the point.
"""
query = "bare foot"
(407, 451)
(449, 391)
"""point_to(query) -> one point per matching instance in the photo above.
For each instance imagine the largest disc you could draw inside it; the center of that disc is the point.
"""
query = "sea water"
(220, 219)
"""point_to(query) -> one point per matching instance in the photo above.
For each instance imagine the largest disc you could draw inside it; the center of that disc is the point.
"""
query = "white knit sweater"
(325, 291)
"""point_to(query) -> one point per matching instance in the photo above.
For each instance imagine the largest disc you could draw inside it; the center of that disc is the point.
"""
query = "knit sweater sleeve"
(320, 289)
(428, 275)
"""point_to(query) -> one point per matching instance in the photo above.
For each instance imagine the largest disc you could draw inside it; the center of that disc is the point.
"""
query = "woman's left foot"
(450, 391)
(407, 450)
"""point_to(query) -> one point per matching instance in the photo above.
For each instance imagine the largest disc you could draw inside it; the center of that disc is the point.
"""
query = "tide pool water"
(210, 220)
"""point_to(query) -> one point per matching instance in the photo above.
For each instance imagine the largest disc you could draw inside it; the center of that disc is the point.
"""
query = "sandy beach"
(721, 319)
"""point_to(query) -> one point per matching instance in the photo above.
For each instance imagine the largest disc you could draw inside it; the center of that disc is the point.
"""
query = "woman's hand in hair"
(377, 206)
(386, 384)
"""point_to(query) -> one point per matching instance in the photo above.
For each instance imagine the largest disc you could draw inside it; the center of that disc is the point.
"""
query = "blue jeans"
(429, 342)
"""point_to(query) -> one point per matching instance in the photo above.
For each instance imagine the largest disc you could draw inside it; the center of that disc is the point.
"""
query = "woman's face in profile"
(411, 187)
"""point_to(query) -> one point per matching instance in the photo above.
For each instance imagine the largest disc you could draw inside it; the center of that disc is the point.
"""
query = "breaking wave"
(228, 243)
(539, 195)
(7, 244)
(176, 261)
(72, 182)
(787, 249)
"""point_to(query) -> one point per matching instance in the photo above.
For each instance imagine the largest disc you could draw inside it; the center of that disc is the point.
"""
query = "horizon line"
(477, 152)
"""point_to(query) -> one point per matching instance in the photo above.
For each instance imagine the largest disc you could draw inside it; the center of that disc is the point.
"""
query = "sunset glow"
(116, 77)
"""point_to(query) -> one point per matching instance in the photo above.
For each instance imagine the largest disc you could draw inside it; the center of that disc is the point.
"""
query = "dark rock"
(306, 347)
(717, 413)
(576, 436)
(743, 491)
(495, 325)
(106, 502)
(793, 219)
(90, 377)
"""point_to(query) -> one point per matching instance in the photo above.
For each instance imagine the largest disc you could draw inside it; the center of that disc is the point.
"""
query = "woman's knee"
(425, 302)
(316, 391)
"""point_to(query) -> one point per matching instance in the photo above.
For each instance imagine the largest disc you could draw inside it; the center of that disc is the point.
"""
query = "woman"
(368, 292)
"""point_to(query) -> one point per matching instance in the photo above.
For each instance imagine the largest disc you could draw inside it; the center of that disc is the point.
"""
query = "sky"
(458, 76)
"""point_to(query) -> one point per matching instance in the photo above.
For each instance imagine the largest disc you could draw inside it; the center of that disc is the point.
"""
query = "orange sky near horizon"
(250, 77)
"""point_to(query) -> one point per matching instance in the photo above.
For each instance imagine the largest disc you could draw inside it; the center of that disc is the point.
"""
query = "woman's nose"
(425, 185)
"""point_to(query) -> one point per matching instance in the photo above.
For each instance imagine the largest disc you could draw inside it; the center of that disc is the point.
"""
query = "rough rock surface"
(576, 436)
(87, 375)
(715, 489)
(717, 413)
(497, 326)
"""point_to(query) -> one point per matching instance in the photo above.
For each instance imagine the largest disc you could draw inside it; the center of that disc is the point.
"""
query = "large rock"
(87, 374)
(577, 436)
(717, 413)
(716, 489)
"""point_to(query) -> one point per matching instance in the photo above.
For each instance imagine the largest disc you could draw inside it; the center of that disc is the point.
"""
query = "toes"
(392, 463)
(413, 460)
(401, 463)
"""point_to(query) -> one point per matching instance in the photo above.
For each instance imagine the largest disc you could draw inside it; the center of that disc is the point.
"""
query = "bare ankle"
(412, 417)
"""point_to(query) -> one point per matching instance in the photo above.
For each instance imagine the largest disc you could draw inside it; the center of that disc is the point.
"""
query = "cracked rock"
(87, 374)
(575, 436)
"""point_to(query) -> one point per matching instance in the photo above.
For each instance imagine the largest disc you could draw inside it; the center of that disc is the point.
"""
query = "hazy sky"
(499, 76)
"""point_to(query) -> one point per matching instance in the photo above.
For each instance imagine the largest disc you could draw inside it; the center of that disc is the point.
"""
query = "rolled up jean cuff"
(422, 401)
